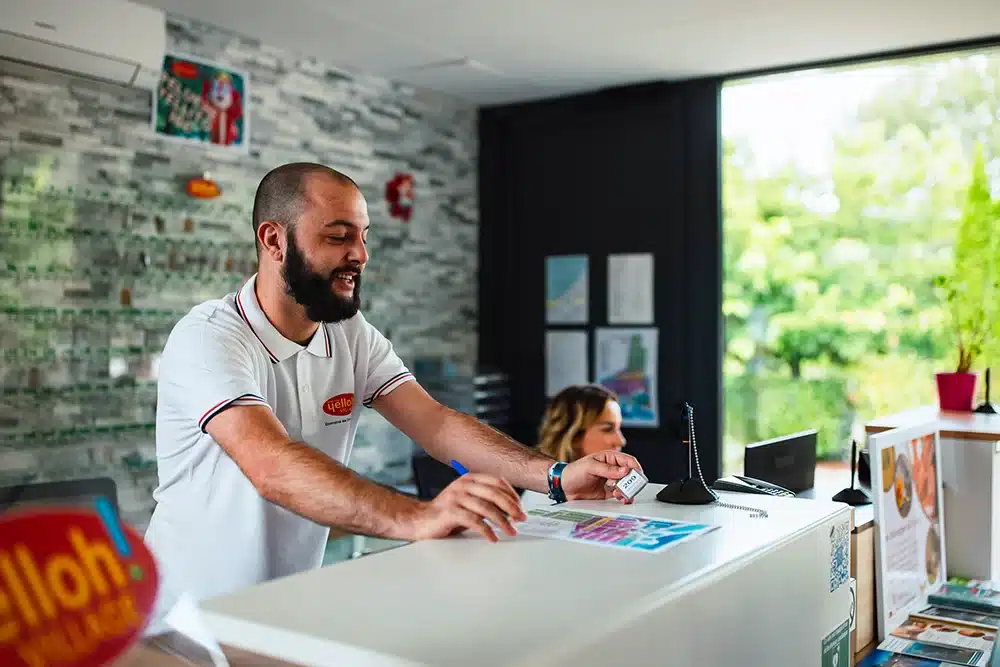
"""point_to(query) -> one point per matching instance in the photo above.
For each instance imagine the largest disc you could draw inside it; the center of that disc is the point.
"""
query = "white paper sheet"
(186, 619)
(566, 360)
(630, 289)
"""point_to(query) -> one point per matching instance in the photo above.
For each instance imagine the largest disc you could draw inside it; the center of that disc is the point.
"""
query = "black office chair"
(430, 475)
(74, 492)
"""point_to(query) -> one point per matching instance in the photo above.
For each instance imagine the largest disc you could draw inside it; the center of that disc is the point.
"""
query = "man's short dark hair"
(280, 195)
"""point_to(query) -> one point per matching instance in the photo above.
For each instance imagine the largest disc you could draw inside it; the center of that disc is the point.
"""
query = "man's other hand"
(467, 504)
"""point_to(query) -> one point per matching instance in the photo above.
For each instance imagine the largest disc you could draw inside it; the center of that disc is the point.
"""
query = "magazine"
(975, 596)
(919, 649)
(880, 658)
(946, 634)
(939, 635)
(938, 613)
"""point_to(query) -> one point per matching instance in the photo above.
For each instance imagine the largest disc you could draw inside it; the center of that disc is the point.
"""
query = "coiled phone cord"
(755, 512)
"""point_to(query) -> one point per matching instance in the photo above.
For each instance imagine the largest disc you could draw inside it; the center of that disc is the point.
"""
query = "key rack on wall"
(94, 202)
(96, 269)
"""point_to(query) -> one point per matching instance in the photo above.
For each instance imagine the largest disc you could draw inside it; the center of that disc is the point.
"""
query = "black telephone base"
(688, 491)
(853, 497)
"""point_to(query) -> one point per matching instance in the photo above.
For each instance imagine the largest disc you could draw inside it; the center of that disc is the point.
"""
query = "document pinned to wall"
(630, 288)
(567, 295)
(565, 360)
(626, 363)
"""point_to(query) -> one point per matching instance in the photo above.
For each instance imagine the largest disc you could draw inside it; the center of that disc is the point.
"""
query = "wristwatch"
(556, 492)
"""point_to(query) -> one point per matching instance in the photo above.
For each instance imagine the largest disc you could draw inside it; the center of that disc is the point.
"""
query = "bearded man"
(259, 396)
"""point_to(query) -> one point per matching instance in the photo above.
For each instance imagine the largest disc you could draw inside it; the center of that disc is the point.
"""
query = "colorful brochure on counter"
(621, 531)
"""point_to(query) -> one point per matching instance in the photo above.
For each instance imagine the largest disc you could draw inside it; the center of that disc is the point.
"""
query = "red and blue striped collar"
(277, 346)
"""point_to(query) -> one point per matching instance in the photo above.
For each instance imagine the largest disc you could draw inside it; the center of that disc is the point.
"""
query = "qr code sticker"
(840, 555)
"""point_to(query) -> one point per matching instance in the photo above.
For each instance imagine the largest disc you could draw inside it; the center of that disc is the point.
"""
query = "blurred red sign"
(203, 188)
(185, 69)
(76, 587)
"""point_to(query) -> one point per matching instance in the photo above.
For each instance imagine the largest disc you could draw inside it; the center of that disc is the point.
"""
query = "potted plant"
(973, 289)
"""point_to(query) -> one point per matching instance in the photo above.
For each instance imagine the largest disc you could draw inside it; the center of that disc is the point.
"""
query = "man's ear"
(271, 238)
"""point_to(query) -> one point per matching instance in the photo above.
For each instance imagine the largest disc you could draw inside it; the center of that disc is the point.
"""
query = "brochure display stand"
(909, 546)
(970, 477)
(918, 616)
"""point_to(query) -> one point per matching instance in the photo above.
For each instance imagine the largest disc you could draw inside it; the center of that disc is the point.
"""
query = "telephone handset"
(742, 484)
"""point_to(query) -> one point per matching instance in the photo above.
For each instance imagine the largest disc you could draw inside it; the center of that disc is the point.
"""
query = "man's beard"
(314, 291)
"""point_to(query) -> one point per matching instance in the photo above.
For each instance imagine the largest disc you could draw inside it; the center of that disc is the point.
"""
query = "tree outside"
(843, 192)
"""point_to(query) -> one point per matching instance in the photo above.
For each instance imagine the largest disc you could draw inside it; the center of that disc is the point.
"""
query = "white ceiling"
(496, 51)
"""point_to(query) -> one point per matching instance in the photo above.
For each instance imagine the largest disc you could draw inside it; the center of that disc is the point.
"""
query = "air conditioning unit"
(110, 40)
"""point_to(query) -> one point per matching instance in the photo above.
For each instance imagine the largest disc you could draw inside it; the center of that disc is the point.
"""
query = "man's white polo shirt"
(211, 531)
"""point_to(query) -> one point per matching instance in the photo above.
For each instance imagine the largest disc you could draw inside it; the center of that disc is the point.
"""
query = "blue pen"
(462, 470)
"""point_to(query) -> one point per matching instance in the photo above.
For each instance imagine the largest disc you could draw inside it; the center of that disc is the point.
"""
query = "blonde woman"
(580, 420)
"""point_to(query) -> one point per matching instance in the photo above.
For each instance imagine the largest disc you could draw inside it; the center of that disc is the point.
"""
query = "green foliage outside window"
(835, 312)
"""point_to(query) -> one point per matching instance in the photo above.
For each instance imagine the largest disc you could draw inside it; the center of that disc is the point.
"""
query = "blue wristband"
(556, 491)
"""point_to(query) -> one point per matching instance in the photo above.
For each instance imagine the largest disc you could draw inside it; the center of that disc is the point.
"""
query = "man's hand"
(593, 477)
(466, 504)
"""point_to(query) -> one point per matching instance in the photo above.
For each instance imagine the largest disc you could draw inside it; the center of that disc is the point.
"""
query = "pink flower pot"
(956, 391)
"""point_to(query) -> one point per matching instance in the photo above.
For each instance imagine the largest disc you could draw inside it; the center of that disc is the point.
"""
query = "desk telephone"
(742, 484)
(693, 490)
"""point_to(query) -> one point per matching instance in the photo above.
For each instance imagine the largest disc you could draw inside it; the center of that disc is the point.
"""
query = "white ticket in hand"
(631, 484)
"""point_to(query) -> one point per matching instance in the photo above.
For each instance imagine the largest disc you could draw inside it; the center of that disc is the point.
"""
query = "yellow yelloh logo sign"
(76, 586)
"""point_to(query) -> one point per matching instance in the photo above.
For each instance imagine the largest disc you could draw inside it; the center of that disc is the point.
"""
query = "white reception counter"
(755, 592)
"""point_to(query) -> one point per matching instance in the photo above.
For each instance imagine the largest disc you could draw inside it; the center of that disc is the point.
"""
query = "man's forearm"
(309, 483)
(481, 448)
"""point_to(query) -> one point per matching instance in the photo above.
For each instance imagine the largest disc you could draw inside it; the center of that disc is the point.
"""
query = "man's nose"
(358, 252)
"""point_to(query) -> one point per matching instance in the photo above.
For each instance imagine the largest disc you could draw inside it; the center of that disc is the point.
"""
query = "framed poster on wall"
(625, 362)
(910, 556)
(201, 102)
(567, 289)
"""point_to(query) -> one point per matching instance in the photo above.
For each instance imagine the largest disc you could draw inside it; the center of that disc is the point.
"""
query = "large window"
(843, 190)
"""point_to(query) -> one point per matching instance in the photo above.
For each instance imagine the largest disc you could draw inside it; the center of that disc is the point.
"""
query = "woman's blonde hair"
(571, 412)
